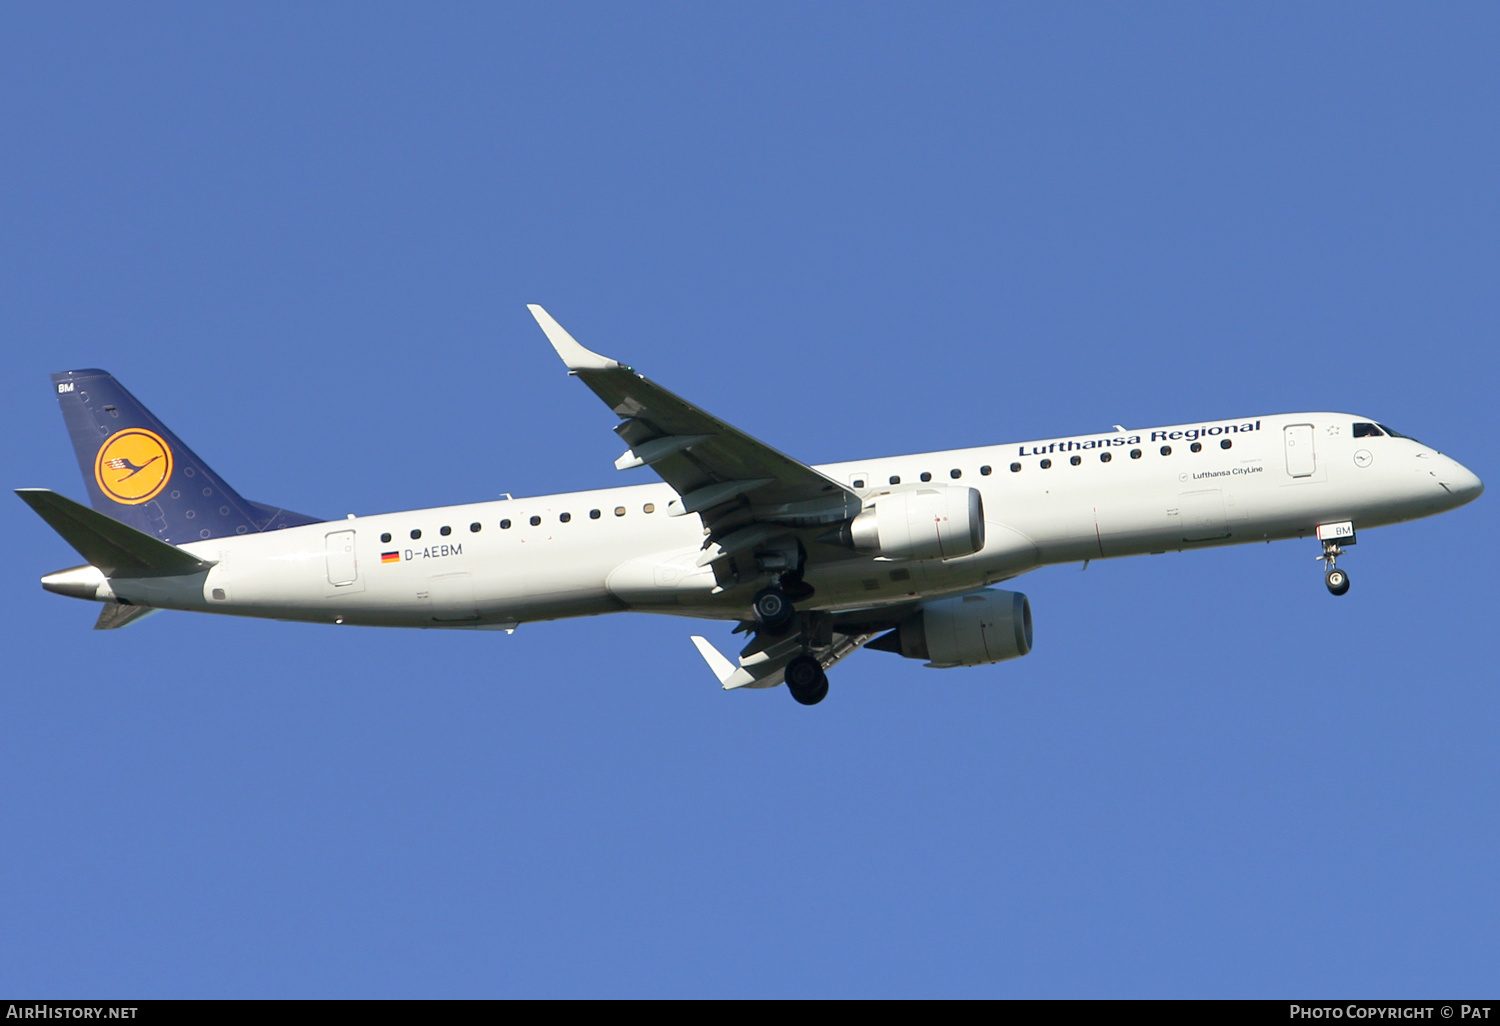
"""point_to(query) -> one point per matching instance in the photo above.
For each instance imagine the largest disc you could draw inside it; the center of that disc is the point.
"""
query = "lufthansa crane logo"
(133, 466)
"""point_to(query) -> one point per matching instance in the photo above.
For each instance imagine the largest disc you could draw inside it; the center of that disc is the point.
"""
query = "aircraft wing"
(766, 667)
(718, 471)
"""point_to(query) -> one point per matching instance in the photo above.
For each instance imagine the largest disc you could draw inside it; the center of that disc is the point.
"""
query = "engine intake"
(966, 630)
(919, 523)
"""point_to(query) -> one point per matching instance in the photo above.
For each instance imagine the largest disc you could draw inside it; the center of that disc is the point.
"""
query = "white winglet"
(723, 668)
(574, 355)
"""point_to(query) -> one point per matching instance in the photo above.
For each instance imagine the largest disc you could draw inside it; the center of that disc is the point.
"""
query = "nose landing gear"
(1334, 537)
(1336, 579)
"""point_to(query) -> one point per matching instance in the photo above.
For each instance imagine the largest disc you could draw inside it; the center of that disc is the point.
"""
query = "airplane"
(897, 554)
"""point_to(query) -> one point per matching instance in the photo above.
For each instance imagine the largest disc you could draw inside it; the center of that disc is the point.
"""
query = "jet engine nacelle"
(965, 630)
(921, 523)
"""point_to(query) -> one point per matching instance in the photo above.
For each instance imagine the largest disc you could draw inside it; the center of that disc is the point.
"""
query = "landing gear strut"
(806, 680)
(1336, 579)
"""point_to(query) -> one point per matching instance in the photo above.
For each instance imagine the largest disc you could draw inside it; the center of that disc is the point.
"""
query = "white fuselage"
(613, 549)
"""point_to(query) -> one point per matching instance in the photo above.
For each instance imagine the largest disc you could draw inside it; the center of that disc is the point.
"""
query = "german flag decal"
(390, 557)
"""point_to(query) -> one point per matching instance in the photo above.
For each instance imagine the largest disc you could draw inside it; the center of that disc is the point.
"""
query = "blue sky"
(305, 238)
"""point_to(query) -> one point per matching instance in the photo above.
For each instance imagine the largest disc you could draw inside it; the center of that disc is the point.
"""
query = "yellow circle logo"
(133, 466)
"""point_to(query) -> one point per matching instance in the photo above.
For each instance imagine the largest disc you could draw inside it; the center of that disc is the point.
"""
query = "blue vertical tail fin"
(139, 473)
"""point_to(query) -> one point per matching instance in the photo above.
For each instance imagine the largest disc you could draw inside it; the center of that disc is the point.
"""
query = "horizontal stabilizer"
(117, 550)
(112, 617)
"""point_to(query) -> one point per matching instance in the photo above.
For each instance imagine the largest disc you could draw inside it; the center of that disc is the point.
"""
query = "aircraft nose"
(1462, 482)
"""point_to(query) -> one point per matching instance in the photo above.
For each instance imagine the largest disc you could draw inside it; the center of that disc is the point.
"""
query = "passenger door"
(1300, 460)
(343, 568)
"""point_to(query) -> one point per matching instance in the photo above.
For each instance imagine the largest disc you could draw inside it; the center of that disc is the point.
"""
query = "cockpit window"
(1365, 430)
(1397, 434)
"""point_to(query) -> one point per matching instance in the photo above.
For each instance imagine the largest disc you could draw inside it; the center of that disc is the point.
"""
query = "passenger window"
(416, 534)
(445, 531)
(1015, 468)
(1135, 454)
(649, 507)
(1196, 447)
(1046, 464)
(858, 482)
(505, 525)
(565, 517)
(473, 528)
(619, 511)
(986, 470)
(1105, 457)
(1075, 460)
(1363, 429)
(895, 479)
(593, 514)
(385, 538)
(1225, 443)
(536, 521)
(1166, 450)
(955, 473)
(926, 476)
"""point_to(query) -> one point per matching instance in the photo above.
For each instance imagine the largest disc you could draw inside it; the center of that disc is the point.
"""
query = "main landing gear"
(775, 620)
(773, 604)
(773, 610)
(774, 617)
(806, 680)
(1336, 579)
